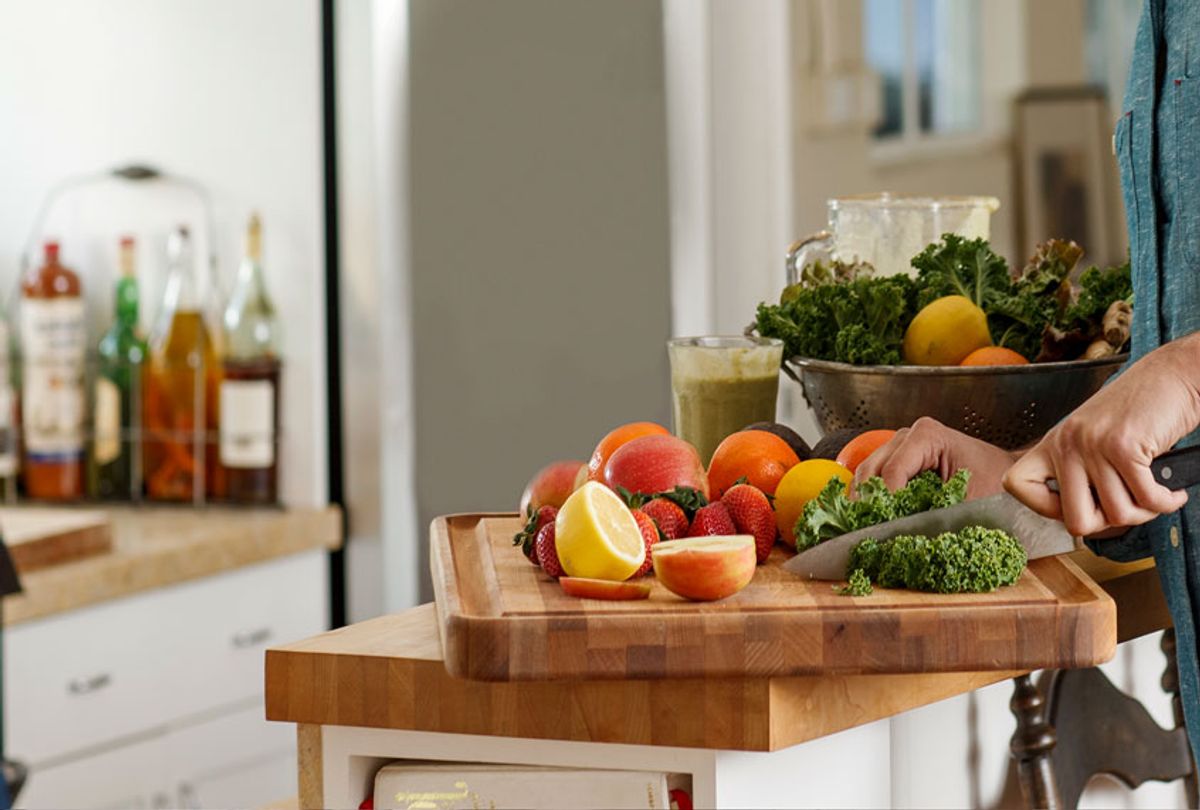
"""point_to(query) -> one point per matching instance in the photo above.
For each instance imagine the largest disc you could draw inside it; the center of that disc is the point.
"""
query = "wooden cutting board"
(39, 538)
(502, 619)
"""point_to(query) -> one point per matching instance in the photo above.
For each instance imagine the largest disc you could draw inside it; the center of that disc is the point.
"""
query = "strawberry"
(547, 554)
(713, 519)
(752, 514)
(650, 535)
(671, 519)
(528, 535)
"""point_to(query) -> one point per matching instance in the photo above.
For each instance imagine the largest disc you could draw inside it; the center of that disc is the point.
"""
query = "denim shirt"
(1157, 141)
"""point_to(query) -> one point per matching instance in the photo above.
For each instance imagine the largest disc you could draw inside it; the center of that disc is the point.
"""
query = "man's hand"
(1101, 454)
(930, 445)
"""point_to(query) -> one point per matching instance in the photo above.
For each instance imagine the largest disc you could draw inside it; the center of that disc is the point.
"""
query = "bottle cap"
(127, 241)
(51, 250)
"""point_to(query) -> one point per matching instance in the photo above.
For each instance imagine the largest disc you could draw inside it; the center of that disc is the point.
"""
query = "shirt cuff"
(1129, 547)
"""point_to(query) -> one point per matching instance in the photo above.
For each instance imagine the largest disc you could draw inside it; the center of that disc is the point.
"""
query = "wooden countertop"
(158, 546)
(388, 673)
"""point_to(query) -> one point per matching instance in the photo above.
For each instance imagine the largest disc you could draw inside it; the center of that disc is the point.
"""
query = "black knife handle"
(1177, 469)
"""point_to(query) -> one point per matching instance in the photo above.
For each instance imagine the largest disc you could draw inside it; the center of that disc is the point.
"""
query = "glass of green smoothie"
(721, 384)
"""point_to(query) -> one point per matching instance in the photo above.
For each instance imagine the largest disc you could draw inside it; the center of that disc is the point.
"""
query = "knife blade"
(1040, 536)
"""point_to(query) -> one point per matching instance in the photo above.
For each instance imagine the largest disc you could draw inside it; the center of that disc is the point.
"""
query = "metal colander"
(1009, 406)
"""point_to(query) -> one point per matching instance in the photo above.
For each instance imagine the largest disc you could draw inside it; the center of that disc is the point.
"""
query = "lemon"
(800, 485)
(597, 536)
(945, 332)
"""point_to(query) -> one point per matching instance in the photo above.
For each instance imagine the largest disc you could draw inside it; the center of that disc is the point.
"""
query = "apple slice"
(705, 568)
(586, 588)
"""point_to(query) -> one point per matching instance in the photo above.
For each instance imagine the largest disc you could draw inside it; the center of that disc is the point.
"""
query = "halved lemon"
(597, 536)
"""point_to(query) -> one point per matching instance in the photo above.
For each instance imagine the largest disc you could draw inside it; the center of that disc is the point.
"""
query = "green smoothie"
(720, 385)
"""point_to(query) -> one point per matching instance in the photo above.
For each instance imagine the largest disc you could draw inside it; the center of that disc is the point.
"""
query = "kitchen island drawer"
(121, 668)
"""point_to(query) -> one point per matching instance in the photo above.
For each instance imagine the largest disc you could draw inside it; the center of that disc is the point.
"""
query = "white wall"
(226, 92)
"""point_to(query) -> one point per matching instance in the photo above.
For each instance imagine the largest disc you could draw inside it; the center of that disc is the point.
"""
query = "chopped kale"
(857, 584)
(972, 560)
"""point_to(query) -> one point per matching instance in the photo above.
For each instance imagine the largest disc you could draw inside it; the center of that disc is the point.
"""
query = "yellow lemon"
(945, 332)
(800, 485)
(597, 536)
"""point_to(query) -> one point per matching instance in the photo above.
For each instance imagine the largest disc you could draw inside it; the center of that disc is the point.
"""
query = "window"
(927, 55)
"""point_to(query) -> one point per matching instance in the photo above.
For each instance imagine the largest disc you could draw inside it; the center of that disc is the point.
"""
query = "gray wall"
(539, 237)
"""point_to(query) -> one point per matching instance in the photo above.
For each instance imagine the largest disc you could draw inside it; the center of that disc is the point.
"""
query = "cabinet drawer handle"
(84, 686)
(251, 638)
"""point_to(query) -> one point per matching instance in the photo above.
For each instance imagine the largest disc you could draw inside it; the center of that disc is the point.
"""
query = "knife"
(1040, 536)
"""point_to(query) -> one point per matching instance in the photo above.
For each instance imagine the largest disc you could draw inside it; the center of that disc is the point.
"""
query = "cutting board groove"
(501, 619)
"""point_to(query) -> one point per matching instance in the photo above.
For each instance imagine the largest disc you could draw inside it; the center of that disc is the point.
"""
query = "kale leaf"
(861, 321)
(1039, 296)
(960, 266)
(974, 559)
(833, 513)
(1097, 291)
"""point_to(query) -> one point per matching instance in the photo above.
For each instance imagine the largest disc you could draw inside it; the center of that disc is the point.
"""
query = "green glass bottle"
(116, 410)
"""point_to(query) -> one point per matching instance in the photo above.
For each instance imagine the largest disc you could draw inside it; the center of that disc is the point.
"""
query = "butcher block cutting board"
(502, 619)
(39, 538)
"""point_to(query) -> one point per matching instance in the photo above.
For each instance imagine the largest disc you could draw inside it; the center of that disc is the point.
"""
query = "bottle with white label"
(116, 411)
(249, 400)
(53, 347)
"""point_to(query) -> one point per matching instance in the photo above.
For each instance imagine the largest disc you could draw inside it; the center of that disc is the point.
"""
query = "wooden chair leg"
(1170, 685)
(1032, 744)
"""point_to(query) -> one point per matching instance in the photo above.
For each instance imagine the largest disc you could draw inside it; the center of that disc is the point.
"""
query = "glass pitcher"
(887, 230)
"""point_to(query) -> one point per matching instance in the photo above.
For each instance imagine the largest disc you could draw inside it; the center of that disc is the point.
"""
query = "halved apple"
(587, 588)
(705, 568)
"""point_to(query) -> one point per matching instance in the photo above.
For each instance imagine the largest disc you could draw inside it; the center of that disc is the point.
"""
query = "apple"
(586, 588)
(705, 568)
(653, 464)
(551, 486)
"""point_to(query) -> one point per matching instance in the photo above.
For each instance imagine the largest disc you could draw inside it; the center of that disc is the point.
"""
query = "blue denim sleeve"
(1129, 547)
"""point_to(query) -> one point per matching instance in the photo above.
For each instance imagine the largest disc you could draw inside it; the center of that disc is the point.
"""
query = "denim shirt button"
(1174, 536)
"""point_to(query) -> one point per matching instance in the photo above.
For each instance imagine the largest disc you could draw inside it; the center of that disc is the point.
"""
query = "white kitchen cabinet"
(162, 691)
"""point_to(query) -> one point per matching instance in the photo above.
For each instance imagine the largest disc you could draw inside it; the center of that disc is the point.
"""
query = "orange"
(864, 444)
(945, 332)
(614, 439)
(800, 485)
(994, 356)
(761, 458)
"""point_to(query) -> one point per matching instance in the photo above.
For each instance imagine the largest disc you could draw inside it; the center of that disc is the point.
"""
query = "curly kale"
(1039, 297)
(860, 321)
(833, 513)
(960, 266)
(857, 584)
(972, 560)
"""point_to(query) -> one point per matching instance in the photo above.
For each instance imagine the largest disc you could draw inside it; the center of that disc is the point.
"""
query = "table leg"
(1031, 745)
(310, 767)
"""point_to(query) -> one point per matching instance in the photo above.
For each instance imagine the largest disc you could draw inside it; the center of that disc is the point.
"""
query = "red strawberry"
(712, 519)
(528, 535)
(752, 514)
(547, 554)
(650, 535)
(671, 519)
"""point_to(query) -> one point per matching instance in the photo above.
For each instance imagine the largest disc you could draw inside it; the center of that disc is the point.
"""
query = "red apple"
(551, 486)
(705, 568)
(586, 588)
(653, 464)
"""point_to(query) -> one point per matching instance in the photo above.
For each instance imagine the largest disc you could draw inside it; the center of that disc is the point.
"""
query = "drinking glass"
(720, 384)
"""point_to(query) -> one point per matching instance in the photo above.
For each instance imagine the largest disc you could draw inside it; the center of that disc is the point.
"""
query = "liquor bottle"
(250, 387)
(116, 413)
(53, 341)
(180, 387)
